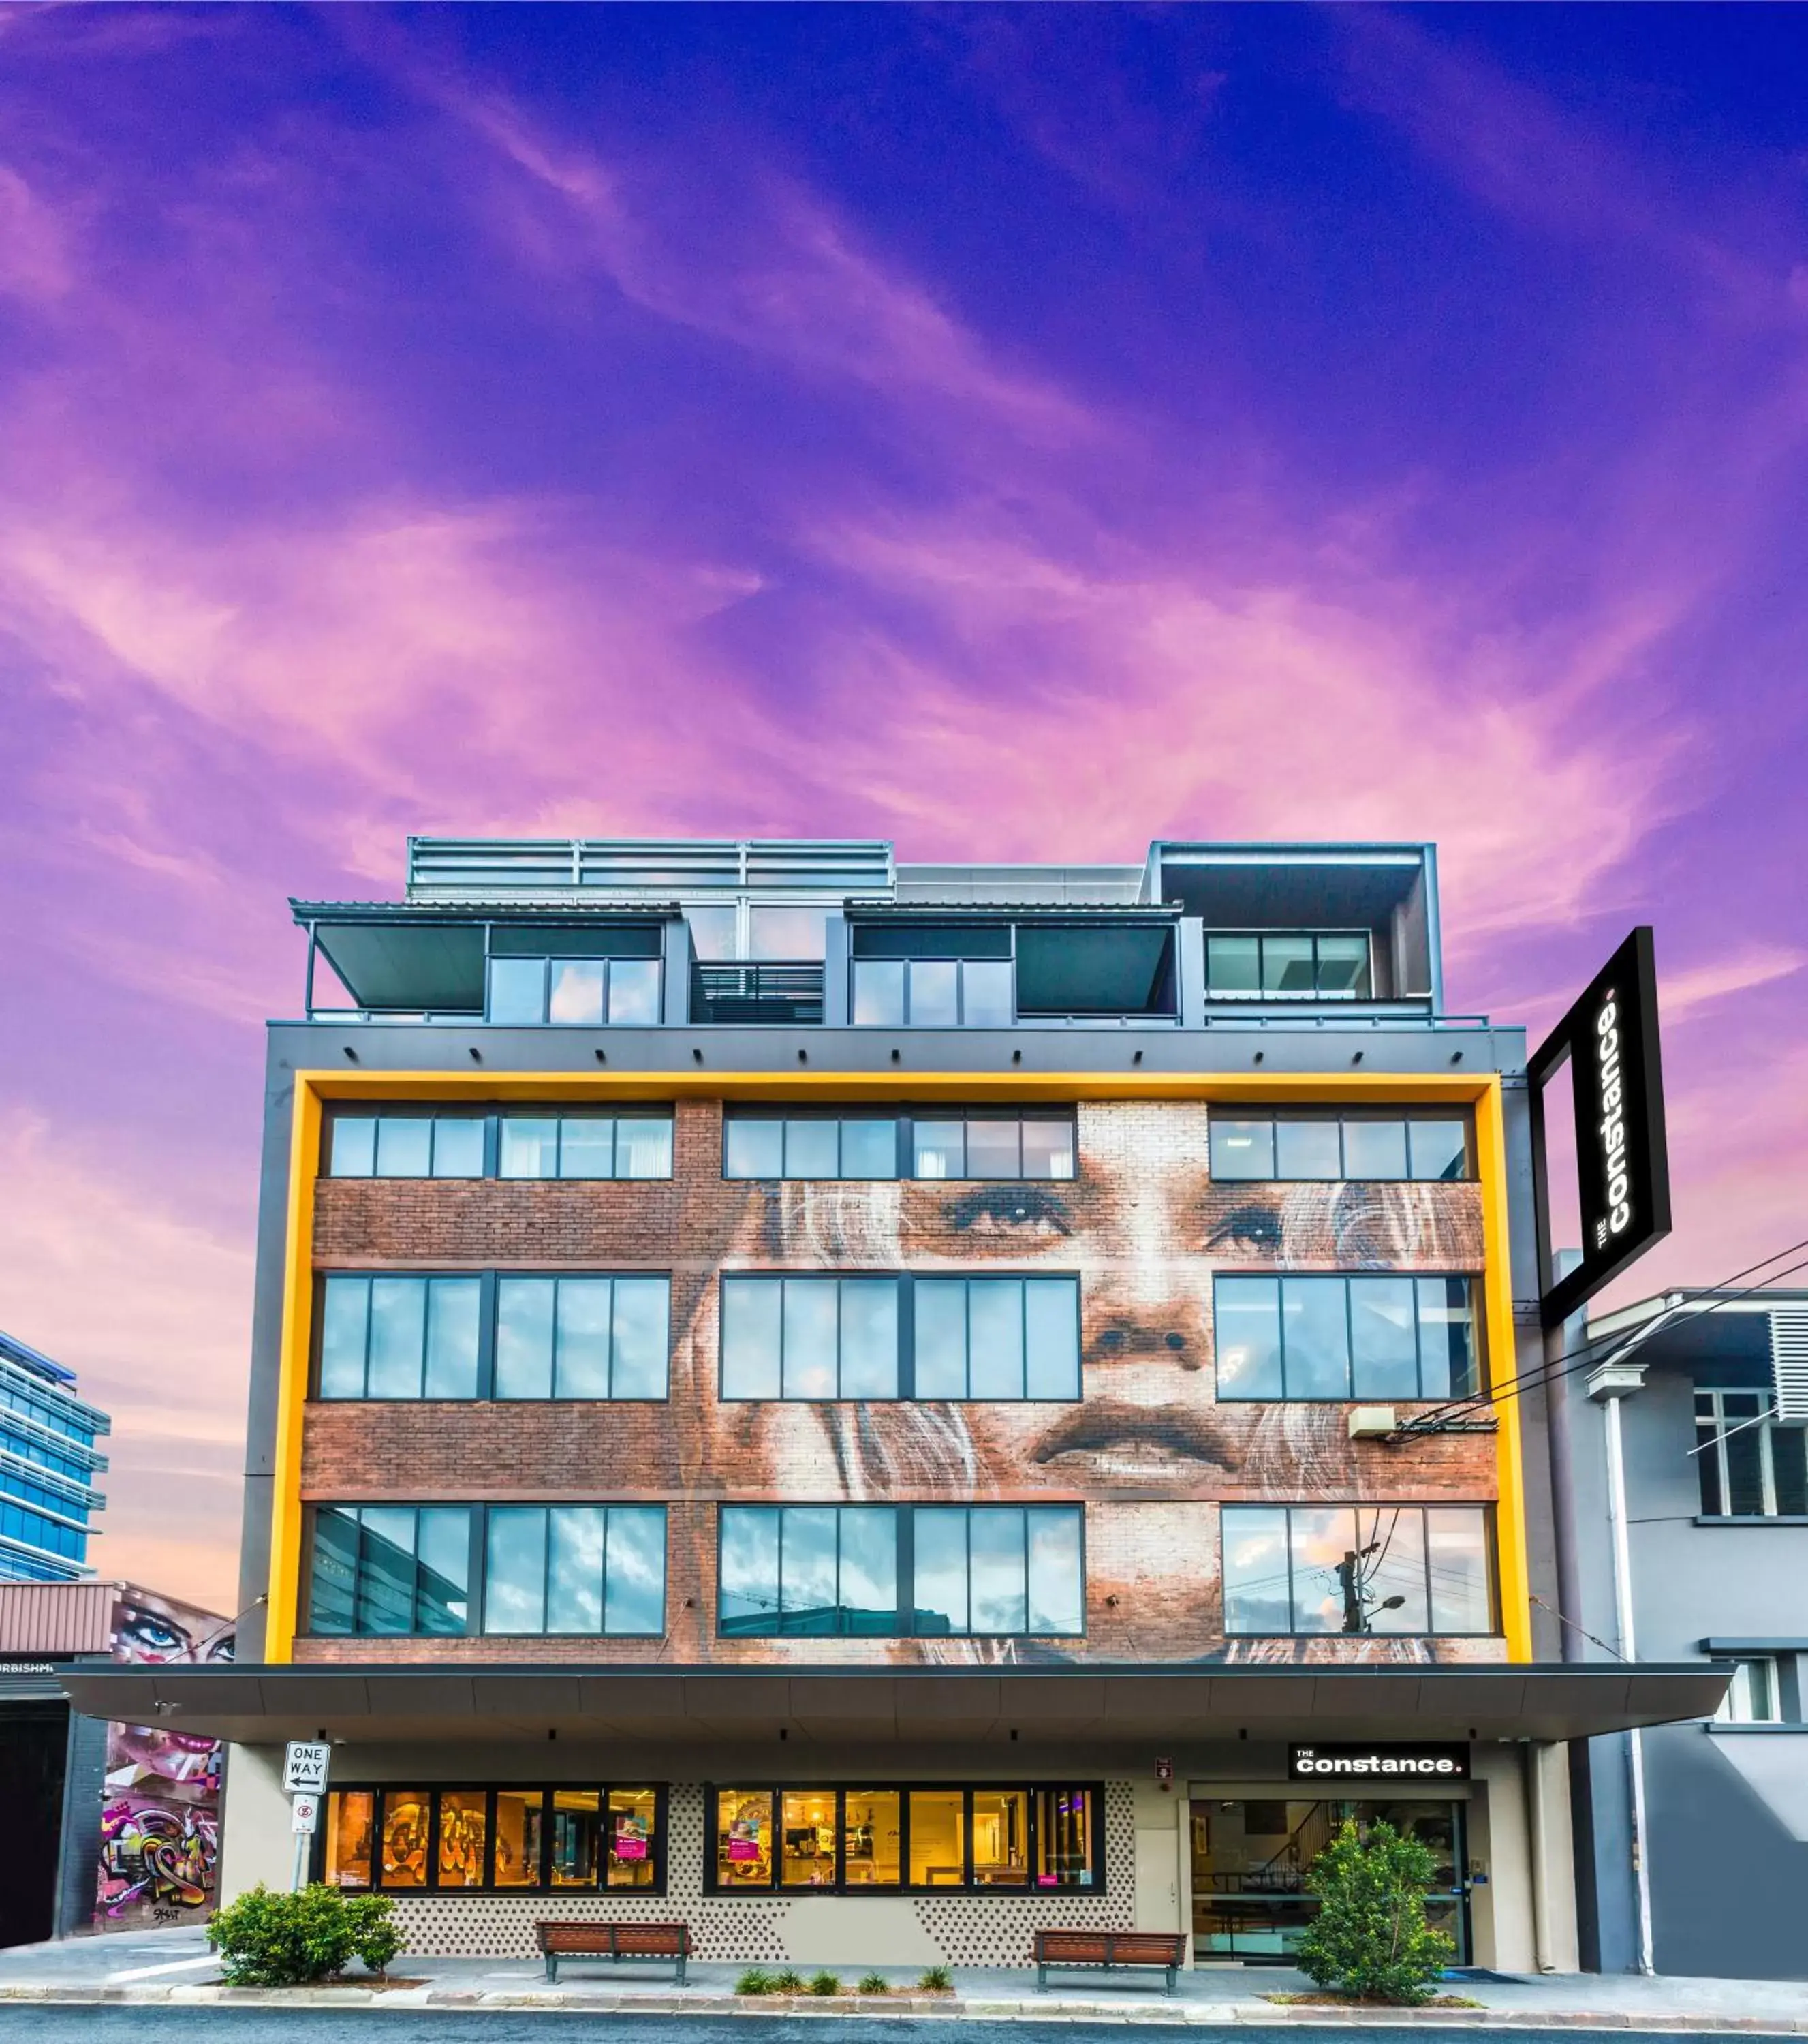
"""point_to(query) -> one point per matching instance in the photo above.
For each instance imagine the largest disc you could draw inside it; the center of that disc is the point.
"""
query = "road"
(48, 2023)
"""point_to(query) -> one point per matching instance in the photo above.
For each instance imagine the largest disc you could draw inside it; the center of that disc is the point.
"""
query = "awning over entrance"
(259, 1705)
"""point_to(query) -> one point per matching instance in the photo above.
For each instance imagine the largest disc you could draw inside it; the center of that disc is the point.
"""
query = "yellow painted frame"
(314, 1088)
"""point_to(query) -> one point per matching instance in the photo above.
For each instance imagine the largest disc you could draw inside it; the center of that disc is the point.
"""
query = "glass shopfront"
(1250, 1860)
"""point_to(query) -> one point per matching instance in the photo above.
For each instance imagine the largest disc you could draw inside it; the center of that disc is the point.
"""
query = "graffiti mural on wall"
(160, 1820)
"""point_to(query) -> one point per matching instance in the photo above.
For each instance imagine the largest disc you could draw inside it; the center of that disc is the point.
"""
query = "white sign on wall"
(304, 1764)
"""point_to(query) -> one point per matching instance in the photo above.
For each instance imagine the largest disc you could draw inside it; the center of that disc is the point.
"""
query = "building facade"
(877, 1407)
(48, 1465)
(1686, 1432)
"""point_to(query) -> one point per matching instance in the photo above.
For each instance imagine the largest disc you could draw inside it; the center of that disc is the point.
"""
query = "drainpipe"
(1607, 1385)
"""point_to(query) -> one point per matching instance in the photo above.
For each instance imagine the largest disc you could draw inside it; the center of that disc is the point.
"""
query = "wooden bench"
(613, 1942)
(1105, 1951)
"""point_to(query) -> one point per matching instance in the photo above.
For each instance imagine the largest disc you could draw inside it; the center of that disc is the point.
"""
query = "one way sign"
(305, 1766)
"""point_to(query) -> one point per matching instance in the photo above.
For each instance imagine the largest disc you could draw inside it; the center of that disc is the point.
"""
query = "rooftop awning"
(262, 1705)
(411, 958)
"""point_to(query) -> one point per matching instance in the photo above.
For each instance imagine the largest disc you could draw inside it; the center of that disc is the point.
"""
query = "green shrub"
(936, 1980)
(1370, 1938)
(788, 1981)
(275, 1940)
(754, 1980)
(824, 1983)
(874, 1983)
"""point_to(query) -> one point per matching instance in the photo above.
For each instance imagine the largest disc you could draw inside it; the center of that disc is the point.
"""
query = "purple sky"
(1017, 433)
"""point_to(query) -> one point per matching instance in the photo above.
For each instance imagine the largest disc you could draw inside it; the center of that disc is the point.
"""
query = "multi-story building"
(1684, 1428)
(874, 1407)
(48, 1465)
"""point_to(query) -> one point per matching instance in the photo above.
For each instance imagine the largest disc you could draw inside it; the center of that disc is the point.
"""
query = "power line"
(1621, 1343)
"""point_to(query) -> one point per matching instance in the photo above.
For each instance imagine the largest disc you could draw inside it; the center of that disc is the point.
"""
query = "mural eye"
(1018, 1211)
(149, 1632)
(1254, 1229)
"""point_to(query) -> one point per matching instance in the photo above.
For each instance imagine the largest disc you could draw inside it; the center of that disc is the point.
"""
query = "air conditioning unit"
(1371, 1422)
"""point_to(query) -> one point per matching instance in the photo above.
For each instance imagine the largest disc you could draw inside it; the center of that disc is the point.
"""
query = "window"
(1379, 1338)
(591, 1570)
(1008, 1839)
(490, 1336)
(770, 1145)
(810, 1337)
(997, 1337)
(884, 1571)
(390, 1570)
(587, 1570)
(543, 1143)
(395, 1337)
(1296, 1146)
(512, 1838)
(584, 993)
(934, 994)
(1753, 1696)
(1288, 965)
(939, 1145)
(967, 1338)
(396, 1144)
(585, 1146)
(1752, 1465)
(808, 1571)
(992, 1147)
(583, 1337)
(1002, 1570)
(1397, 1569)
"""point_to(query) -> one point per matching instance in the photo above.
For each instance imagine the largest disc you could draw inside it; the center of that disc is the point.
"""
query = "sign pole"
(304, 1764)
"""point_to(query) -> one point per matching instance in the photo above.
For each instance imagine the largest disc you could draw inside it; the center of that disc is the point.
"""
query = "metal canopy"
(409, 959)
(500, 1705)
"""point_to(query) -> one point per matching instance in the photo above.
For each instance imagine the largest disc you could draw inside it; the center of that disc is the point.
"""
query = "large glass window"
(585, 993)
(968, 1338)
(808, 1571)
(510, 1838)
(1399, 1569)
(1305, 1146)
(1333, 1338)
(585, 1569)
(1288, 965)
(390, 1569)
(1001, 1839)
(1003, 1569)
(1751, 1465)
(585, 1146)
(934, 994)
(394, 1144)
(949, 1144)
(591, 1570)
(583, 1337)
(396, 1337)
(809, 1337)
(1003, 1338)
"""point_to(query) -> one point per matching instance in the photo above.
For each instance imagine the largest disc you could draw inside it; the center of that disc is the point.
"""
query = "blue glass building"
(48, 1466)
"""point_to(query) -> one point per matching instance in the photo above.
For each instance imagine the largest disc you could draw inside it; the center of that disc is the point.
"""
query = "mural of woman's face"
(1145, 1229)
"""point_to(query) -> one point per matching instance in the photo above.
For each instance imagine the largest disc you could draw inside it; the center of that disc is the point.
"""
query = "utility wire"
(1630, 1340)
(1620, 1343)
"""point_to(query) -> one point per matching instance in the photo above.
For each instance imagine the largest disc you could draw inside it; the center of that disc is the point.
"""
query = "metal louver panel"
(1789, 1360)
(487, 870)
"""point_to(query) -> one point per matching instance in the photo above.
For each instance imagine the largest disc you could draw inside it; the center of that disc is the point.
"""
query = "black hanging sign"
(1623, 1163)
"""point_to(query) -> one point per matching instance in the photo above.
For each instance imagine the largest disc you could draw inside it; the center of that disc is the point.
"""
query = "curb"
(942, 2007)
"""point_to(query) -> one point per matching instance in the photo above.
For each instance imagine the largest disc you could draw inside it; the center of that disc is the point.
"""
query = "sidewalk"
(175, 1968)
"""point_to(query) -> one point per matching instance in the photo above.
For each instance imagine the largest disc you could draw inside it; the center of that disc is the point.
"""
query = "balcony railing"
(766, 993)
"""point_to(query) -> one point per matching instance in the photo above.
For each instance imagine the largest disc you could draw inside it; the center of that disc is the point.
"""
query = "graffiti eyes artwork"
(160, 1820)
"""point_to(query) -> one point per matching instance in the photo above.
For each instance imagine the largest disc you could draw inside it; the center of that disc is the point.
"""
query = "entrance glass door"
(1250, 1860)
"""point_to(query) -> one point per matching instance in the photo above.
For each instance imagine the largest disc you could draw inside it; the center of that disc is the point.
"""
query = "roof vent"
(1789, 1360)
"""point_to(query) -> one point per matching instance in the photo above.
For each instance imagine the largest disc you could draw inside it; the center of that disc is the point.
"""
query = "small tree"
(266, 1939)
(1370, 1938)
